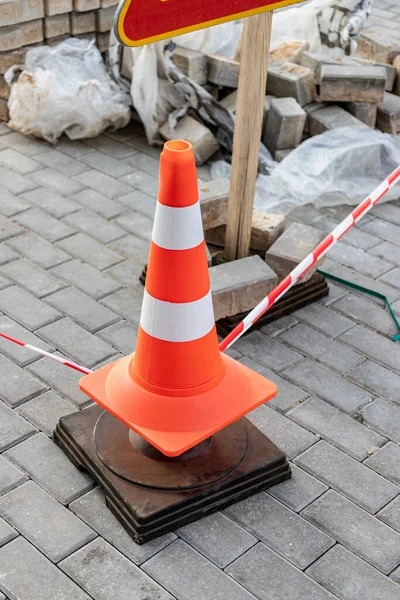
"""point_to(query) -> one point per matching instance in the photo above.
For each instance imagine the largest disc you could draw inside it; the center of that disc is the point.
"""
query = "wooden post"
(247, 135)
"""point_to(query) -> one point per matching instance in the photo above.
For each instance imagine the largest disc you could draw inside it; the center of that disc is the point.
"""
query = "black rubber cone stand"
(151, 494)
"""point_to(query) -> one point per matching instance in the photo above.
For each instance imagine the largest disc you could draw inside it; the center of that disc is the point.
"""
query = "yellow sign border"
(125, 4)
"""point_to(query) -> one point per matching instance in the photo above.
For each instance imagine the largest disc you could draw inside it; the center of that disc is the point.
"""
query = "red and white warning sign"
(139, 22)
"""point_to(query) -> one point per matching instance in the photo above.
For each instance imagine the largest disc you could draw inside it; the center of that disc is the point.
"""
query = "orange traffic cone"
(177, 389)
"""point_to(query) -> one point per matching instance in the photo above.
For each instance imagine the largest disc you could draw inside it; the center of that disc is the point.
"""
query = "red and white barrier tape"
(310, 260)
(63, 361)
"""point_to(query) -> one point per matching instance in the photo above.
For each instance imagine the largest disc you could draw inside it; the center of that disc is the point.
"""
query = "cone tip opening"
(177, 146)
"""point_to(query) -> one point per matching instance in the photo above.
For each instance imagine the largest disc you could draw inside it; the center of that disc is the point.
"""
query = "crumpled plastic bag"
(65, 89)
(341, 166)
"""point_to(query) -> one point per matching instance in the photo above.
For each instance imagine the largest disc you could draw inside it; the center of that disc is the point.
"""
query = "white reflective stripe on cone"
(178, 228)
(177, 322)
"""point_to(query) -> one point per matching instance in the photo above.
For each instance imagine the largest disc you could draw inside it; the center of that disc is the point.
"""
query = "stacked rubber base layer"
(152, 494)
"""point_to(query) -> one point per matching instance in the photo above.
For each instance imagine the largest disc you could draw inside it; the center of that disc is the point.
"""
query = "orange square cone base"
(177, 419)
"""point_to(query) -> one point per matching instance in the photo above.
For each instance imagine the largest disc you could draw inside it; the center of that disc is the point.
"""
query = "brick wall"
(28, 23)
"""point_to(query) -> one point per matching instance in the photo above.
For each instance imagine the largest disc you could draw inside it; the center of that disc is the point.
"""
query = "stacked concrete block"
(347, 83)
(285, 125)
(83, 22)
(291, 248)
(363, 111)
(223, 71)
(291, 80)
(203, 142)
(192, 63)
(377, 46)
(388, 117)
(331, 117)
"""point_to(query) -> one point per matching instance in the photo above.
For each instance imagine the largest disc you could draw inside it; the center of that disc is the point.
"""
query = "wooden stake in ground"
(246, 140)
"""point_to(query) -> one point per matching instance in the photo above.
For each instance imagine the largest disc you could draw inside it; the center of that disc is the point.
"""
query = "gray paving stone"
(391, 515)
(18, 354)
(377, 379)
(388, 251)
(122, 336)
(82, 309)
(38, 250)
(14, 428)
(90, 251)
(76, 342)
(86, 278)
(56, 181)
(358, 259)
(138, 224)
(128, 273)
(14, 160)
(145, 163)
(277, 327)
(17, 386)
(27, 145)
(218, 538)
(336, 291)
(92, 509)
(46, 464)
(10, 476)
(11, 205)
(321, 348)
(299, 491)
(9, 229)
(324, 320)
(366, 312)
(328, 386)
(14, 182)
(27, 574)
(396, 575)
(267, 351)
(7, 533)
(60, 379)
(336, 427)
(140, 202)
(351, 578)
(287, 435)
(392, 277)
(281, 529)
(143, 182)
(133, 247)
(90, 222)
(111, 147)
(383, 417)
(126, 303)
(51, 202)
(354, 237)
(195, 573)
(72, 148)
(109, 186)
(46, 410)
(267, 575)
(106, 164)
(288, 394)
(356, 529)
(100, 204)
(387, 231)
(6, 253)
(44, 225)
(25, 308)
(347, 476)
(61, 163)
(378, 286)
(386, 461)
(31, 277)
(105, 573)
(44, 522)
(376, 346)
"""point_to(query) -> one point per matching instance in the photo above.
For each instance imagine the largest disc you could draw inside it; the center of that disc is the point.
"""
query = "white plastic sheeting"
(65, 89)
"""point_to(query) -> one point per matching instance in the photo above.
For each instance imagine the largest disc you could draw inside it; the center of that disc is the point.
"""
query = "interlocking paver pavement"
(75, 223)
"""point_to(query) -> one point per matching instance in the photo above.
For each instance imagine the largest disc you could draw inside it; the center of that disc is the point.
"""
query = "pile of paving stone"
(307, 93)
(25, 24)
